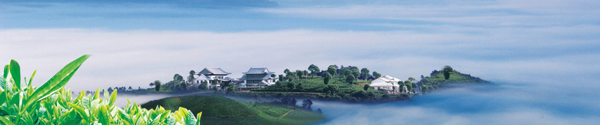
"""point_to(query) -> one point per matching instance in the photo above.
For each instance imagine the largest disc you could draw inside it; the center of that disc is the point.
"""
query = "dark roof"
(258, 71)
(213, 71)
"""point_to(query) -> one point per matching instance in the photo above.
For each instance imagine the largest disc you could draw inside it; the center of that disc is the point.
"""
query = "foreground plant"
(23, 104)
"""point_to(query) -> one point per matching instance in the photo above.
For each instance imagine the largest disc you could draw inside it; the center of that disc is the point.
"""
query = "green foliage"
(291, 85)
(332, 70)
(447, 69)
(366, 87)
(331, 89)
(203, 86)
(365, 73)
(299, 87)
(231, 89)
(376, 74)
(411, 79)
(350, 79)
(191, 76)
(157, 85)
(224, 111)
(326, 77)
(313, 69)
(281, 78)
(52, 104)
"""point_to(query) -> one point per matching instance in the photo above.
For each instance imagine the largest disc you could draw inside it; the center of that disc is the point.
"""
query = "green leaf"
(80, 111)
(59, 80)
(97, 94)
(199, 116)
(123, 116)
(3, 97)
(113, 98)
(103, 116)
(5, 71)
(31, 78)
(6, 121)
(15, 72)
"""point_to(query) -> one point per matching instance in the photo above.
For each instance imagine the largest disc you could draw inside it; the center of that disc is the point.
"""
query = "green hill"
(437, 79)
(218, 110)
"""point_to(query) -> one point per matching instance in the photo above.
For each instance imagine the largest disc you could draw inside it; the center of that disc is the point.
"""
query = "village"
(262, 77)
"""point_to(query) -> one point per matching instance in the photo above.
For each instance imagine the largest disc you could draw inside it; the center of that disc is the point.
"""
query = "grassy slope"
(221, 110)
(455, 77)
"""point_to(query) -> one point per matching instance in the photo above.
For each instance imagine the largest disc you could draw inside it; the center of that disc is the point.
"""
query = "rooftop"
(213, 71)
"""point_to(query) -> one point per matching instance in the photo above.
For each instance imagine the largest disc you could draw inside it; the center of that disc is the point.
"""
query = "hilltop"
(217, 110)
(437, 79)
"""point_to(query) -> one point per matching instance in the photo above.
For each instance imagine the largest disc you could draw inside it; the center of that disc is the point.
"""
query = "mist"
(500, 103)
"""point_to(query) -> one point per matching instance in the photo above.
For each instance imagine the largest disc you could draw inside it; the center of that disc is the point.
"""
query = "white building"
(386, 83)
(210, 74)
(258, 77)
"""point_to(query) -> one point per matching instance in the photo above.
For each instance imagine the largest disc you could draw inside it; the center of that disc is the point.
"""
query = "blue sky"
(509, 40)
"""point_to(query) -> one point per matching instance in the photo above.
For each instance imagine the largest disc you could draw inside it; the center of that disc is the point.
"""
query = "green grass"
(218, 110)
(455, 77)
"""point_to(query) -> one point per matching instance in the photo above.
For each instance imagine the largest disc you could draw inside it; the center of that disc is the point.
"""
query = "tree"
(326, 77)
(291, 85)
(313, 69)
(230, 89)
(319, 111)
(273, 75)
(203, 86)
(214, 88)
(347, 72)
(354, 69)
(157, 85)
(299, 87)
(447, 69)
(376, 74)
(331, 89)
(177, 78)
(299, 74)
(215, 82)
(365, 73)
(151, 84)
(350, 79)
(190, 78)
(109, 89)
(305, 72)
(414, 85)
(281, 77)
(401, 84)
(411, 79)
(332, 70)
(356, 74)
(366, 87)
(130, 88)
(424, 89)
(342, 72)
(286, 71)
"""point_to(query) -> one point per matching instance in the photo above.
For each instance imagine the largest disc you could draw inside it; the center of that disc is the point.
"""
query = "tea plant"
(23, 104)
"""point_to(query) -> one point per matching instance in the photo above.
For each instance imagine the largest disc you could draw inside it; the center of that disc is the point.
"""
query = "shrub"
(23, 104)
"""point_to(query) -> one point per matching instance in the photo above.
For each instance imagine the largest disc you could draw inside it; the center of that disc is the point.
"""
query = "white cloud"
(503, 13)
(136, 58)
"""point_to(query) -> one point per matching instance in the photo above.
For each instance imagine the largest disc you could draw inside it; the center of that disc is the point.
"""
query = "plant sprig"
(23, 104)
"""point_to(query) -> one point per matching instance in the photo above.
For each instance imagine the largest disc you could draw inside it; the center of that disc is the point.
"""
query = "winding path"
(286, 113)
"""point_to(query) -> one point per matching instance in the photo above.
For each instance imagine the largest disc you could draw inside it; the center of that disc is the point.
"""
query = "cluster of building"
(259, 77)
(253, 78)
